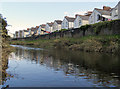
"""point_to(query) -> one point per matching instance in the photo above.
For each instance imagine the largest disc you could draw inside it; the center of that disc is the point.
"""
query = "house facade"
(20, 34)
(57, 25)
(41, 29)
(68, 22)
(81, 20)
(49, 27)
(115, 12)
(99, 15)
(25, 33)
(16, 34)
(36, 30)
(31, 31)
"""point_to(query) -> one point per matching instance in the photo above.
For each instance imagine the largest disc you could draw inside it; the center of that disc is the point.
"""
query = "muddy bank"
(108, 43)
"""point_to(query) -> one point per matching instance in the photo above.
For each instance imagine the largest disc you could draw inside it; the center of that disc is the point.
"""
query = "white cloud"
(80, 12)
(66, 13)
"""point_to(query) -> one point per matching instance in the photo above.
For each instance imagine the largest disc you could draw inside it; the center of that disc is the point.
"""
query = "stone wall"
(102, 28)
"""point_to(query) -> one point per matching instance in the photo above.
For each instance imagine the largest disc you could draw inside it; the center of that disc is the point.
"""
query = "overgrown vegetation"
(61, 30)
(109, 43)
(97, 27)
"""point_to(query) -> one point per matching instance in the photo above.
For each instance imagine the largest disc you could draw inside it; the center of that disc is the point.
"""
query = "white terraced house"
(41, 29)
(99, 15)
(81, 20)
(57, 25)
(115, 12)
(36, 30)
(20, 32)
(25, 33)
(16, 34)
(49, 27)
(68, 22)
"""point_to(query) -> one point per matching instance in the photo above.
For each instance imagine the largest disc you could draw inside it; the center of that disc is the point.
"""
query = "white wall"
(59, 27)
(71, 25)
(84, 22)
(77, 22)
(39, 30)
(65, 24)
(93, 17)
(26, 34)
(47, 28)
(56, 26)
(115, 13)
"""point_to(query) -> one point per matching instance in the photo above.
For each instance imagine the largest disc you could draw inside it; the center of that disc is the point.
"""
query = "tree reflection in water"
(100, 69)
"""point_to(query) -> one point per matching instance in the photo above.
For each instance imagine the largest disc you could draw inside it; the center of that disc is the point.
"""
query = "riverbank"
(107, 43)
(6, 50)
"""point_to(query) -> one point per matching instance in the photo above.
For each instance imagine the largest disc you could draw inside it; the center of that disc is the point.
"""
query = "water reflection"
(4, 66)
(92, 68)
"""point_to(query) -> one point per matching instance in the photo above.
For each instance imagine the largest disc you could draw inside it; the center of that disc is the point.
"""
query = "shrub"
(85, 27)
(63, 29)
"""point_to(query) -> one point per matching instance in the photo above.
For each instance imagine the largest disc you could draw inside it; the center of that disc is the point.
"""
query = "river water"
(36, 67)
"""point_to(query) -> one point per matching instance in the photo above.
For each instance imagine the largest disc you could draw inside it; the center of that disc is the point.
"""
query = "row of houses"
(91, 17)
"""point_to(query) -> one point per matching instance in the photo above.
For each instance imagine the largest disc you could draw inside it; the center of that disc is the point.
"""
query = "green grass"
(88, 43)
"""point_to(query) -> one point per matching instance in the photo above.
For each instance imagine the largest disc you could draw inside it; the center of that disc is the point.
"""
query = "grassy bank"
(109, 43)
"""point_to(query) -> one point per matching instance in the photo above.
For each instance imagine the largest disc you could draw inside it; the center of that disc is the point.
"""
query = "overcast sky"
(23, 15)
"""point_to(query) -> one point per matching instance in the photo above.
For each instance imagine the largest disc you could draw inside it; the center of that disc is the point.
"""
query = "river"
(36, 67)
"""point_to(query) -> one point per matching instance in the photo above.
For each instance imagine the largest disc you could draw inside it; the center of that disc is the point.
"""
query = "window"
(116, 12)
(66, 24)
(98, 17)
(80, 22)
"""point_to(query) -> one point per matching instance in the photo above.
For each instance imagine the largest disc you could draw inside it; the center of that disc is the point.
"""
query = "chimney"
(27, 28)
(76, 15)
(107, 8)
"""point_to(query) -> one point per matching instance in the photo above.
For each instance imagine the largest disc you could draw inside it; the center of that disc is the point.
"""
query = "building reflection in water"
(100, 69)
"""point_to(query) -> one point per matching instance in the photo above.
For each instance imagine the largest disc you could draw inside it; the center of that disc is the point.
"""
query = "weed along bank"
(99, 37)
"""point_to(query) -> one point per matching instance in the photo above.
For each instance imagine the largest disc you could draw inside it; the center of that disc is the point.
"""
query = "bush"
(63, 29)
(85, 27)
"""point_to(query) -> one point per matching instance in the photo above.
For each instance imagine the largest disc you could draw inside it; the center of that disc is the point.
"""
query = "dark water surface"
(35, 67)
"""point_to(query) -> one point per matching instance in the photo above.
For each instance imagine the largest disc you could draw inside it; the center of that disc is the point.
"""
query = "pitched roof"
(103, 12)
(43, 26)
(58, 21)
(88, 13)
(25, 30)
(70, 19)
(107, 8)
(116, 5)
(33, 29)
(16, 32)
(50, 24)
(20, 30)
(37, 26)
(84, 17)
